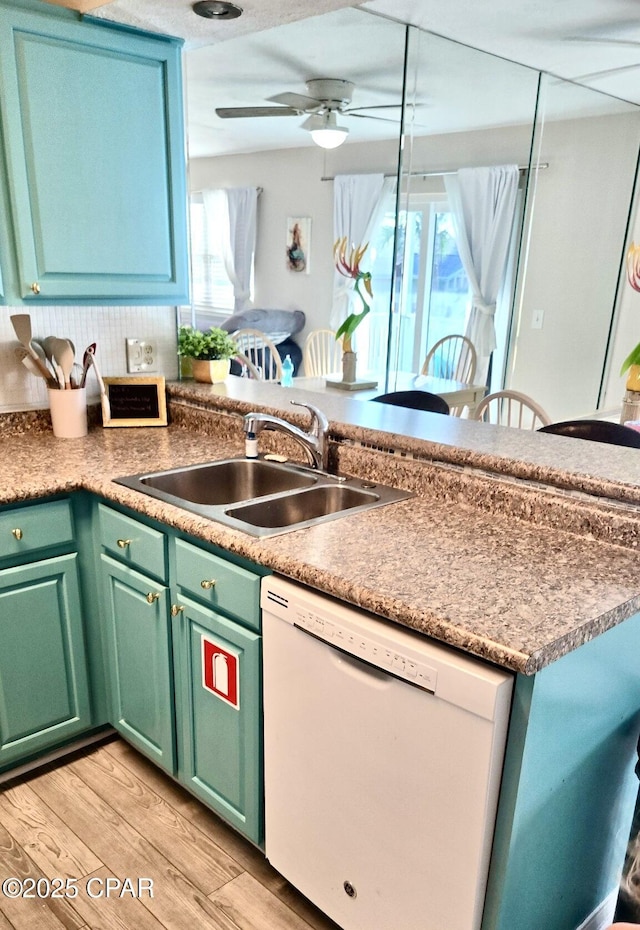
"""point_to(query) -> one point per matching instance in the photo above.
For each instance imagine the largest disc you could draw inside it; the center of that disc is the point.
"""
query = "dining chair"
(261, 352)
(322, 353)
(417, 400)
(597, 431)
(247, 368)
(510, 408)
(453, 357)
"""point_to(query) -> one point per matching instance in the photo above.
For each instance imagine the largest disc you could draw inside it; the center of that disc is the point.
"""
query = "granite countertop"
(490, 570)
(598, 469)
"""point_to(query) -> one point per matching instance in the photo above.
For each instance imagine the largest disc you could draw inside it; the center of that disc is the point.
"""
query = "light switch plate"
(537, 319)
(141, 355)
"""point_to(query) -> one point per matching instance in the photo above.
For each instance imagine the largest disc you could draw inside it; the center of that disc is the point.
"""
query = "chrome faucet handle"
(319, 422)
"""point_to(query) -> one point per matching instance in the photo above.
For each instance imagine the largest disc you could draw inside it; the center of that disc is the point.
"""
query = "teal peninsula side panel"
(569, 787)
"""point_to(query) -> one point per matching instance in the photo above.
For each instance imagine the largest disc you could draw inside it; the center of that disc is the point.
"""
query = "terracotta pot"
(212, 372)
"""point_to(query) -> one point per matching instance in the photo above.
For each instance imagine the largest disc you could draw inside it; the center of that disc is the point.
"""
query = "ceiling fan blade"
(296, 101)
(606, 73)
(603, 40)
(244, 112)
(384, 119)
(375, 106)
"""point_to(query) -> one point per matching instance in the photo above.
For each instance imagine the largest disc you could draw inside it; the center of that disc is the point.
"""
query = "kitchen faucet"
(314, 441)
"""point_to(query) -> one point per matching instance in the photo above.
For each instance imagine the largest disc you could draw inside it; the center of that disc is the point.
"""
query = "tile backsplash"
(109, 327)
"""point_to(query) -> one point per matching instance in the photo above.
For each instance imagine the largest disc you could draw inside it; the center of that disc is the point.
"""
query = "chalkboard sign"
(134, 402)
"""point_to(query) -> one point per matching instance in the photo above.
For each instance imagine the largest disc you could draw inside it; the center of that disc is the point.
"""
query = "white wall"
(109, 327)
(292, 185)
(577, 238)
(626, 333)
(579, 185)
(580, 208)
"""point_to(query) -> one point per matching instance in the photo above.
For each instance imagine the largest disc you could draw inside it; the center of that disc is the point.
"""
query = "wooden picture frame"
(134, 401)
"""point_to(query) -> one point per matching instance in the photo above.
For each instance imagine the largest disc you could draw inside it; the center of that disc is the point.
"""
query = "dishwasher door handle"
(347, 662)
(359, 668)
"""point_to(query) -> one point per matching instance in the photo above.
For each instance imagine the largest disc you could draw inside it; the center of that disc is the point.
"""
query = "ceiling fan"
(602, 39)
(328, 98)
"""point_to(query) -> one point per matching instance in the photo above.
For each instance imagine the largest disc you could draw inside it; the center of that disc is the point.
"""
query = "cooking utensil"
(86, 362)
(22, 327)
(104, 397)
(30, 364)
(63, 356)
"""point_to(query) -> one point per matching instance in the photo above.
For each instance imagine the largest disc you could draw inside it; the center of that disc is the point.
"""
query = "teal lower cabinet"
(44, 692)
(138, 634)
(184, 660)
(218, 714)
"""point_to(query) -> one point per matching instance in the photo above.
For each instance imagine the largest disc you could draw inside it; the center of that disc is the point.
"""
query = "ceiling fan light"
(325, 131)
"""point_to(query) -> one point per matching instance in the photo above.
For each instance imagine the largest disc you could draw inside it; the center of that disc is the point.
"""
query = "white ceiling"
(275, 46)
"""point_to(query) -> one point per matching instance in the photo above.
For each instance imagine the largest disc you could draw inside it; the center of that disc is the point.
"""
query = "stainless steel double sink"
(260, 497)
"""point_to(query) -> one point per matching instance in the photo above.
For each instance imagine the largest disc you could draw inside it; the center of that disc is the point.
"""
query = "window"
(435, 298)
(211, 288)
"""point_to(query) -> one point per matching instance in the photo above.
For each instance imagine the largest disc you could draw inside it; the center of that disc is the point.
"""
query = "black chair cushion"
(597, 431)
(417, 400)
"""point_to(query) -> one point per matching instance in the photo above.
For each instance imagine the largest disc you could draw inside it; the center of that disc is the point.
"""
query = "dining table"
(456, 393)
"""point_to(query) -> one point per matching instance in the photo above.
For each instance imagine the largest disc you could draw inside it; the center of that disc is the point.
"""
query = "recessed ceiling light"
(217, 9)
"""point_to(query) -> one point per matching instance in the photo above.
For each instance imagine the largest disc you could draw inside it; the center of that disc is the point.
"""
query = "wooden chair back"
(511, 408)
(452, 357)
(322, 353)
(261, 352)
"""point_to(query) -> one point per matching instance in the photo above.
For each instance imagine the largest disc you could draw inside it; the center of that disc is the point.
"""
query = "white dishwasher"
(383, 759)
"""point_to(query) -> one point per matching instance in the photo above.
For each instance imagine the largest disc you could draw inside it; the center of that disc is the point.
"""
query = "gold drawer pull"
(35, 287)
(152, 597)
(176, 609)
(207, 585)
(123, 543)
(17, 532)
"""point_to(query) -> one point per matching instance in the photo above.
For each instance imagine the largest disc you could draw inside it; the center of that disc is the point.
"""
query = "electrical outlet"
(141, 355)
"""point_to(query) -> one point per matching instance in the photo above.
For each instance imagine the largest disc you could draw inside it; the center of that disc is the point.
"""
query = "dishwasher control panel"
(398, 663)
(397, 650)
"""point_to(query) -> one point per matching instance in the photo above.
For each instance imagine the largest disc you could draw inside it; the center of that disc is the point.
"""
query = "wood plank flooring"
(107, 813)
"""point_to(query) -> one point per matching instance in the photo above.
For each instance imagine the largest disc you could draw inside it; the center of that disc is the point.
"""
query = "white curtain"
(231, 225)
(483, 204)
(359, 201)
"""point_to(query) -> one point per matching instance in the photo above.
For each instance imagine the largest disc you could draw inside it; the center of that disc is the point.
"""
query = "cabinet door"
(94, 145)
(219, 715)
(140, 663)
(44, 695)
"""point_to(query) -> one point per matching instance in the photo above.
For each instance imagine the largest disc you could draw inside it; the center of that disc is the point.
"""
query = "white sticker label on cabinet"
(220, 672)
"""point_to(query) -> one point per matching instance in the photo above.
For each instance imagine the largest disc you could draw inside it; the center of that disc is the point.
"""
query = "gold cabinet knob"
(17, 532)
(123, 543)
(35, 287)
(152, 596)
(176, 609)
(208, 584)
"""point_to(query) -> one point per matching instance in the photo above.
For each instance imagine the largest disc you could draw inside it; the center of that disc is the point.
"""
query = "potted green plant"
(210, 352)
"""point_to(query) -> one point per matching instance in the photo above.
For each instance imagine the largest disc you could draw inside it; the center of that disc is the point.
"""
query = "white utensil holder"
(68, 412)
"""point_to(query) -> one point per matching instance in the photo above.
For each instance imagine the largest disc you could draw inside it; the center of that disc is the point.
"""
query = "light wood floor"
(107, 811)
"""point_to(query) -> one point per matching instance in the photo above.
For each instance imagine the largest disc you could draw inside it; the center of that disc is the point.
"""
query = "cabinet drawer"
(132, 543)
(25, 530)
(218, 583)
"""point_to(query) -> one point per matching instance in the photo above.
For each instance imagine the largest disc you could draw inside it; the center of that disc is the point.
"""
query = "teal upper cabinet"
(94, 146)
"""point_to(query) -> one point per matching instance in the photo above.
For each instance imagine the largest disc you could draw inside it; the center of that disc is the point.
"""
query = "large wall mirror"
(574, 150)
